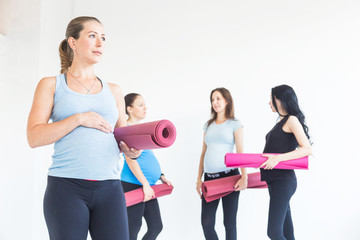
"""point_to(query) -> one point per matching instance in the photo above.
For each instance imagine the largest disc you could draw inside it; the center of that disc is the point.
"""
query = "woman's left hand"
(164, 180)
(241, 184)
(271, 162)
(131, 153)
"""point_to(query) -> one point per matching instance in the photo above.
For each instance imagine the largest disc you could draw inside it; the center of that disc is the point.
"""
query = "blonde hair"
(73, 29)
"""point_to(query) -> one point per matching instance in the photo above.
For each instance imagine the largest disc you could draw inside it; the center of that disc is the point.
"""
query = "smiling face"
(89, 47)
(218, 102)
(137, 110)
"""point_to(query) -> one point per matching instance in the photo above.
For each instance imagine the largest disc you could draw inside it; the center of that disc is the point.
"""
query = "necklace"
(87, 89)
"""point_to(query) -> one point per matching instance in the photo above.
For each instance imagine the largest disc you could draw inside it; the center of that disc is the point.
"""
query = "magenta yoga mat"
(254, 160)
(215, 189)
(150, 135)
(137, 196)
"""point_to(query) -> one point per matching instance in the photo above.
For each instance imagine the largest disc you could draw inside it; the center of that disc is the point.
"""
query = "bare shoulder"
(47, 81)
(114, 86)
(293, 119)
(116, 91)
(293, 122)
(47, 84)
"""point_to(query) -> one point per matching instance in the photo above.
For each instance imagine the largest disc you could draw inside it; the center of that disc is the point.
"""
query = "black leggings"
(72, 207)
(149, 210)
(280, 226)
(230, 207)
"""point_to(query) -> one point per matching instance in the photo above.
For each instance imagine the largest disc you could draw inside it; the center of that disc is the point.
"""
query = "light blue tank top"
(85, 153)
(149, 166)
(219, 139)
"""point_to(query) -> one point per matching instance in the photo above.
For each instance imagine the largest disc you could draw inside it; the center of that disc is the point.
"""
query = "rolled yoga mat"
(150, 135)
(137, 196)
(217, 188)
(254, 160)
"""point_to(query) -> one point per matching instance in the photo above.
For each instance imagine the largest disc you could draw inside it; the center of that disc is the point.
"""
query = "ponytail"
(73, 29)
(129, 100)
(66, 56)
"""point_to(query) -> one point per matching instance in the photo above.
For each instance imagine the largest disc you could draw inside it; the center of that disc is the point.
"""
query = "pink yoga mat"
(254, 160)
(150, 135)
(137, 196)
(215, 189)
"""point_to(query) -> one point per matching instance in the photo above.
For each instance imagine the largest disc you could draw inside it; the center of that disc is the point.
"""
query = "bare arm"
(239, 144)
(40, 132)
(201, 167)
(294, 126)
(136, 170)
(165, 180)
(120, 103)
(121, 122)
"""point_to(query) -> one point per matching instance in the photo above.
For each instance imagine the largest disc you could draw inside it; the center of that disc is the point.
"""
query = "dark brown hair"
(229, 110)
(73, 29)
(129, 100)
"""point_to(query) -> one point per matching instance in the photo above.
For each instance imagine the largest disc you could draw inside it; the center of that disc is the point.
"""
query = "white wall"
(19, 68)
(174, 53)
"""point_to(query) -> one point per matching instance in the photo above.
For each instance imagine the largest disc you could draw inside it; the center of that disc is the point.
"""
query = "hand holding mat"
(254, 160)
(217, 188)
(150, 135)
(137, 196)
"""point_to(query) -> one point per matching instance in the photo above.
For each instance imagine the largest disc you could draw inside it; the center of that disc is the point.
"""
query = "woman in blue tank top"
(290, 138)
(84, 192)
(142, 173)
(221, 133)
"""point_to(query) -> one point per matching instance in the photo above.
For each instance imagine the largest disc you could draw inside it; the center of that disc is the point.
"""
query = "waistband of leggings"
(221, 174)
(83, 184)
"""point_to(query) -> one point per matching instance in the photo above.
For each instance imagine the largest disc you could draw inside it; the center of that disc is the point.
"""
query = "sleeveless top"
(279, 141)
(85, 153)
(219, 139)
(149, 166)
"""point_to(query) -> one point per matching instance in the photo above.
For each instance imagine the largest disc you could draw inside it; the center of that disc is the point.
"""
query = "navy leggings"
(149, 210)
(230, 207)
(72, 207)
(280, 226)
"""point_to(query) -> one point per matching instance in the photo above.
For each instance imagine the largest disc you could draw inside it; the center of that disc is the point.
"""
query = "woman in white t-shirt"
(221, 133)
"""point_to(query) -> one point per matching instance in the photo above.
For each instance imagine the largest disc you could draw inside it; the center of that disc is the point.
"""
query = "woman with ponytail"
(84, 192)
(290, 138)
(143, 173)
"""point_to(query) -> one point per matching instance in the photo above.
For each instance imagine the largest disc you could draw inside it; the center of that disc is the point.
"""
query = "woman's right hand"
(94, 120)
(148, 192)
(198, 187)
(130, 152)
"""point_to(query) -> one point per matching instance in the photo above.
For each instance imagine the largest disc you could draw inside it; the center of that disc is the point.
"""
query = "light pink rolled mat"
(217, 188)
(254, 160)
(150, 135)
(137, 196)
